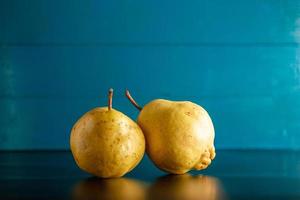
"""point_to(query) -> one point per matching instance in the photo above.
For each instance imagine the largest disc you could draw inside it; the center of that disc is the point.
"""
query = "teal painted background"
(238, 59)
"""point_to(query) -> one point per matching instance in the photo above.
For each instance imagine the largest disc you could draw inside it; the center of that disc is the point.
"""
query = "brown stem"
(110, 95)
(132, 100)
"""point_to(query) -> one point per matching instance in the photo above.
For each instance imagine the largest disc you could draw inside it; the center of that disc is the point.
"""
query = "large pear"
(179, 134)
(107, 143)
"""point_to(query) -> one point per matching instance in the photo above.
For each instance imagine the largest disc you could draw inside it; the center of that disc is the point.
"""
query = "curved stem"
(110, 96)
(132, 100)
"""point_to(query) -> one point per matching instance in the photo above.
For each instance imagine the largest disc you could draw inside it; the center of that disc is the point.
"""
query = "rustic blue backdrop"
(238, 59)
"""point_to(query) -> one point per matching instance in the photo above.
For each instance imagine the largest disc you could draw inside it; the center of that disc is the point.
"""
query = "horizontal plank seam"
(162, 44)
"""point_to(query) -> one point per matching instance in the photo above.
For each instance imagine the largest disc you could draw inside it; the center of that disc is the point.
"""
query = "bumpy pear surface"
(179, 135)
(107, 143)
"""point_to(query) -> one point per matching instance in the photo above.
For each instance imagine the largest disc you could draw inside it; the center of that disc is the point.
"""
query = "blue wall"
(238, 59)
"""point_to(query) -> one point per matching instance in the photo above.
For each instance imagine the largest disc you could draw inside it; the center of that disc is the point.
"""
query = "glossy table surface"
(234, 174)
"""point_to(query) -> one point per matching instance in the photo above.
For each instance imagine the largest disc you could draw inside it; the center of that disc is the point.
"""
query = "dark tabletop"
(243, 174)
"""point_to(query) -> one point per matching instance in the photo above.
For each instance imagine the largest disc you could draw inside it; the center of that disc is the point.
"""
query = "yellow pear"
(179, 134)
(116, 189)
(107, 143)
(187, 187)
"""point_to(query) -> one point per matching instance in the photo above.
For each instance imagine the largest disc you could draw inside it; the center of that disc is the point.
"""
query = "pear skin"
(179, 135)
(106, 143)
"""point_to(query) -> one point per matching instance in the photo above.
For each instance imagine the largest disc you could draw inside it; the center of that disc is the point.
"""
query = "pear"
(179, 134)
(106, 143)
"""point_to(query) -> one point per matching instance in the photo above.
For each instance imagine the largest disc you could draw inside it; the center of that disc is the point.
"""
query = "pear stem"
(132, 100)
(110, 96)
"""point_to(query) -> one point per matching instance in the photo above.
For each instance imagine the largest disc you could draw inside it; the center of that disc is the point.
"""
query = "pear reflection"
(186, 187)
(116, 189)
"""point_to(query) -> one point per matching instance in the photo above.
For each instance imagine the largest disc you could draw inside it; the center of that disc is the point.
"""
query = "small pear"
(107, 143)
(179, 134)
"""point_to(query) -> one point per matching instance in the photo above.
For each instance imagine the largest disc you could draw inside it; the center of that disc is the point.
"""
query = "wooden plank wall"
(238, 59)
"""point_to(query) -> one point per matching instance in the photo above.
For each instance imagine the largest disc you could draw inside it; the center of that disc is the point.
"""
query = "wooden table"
(234, 174)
